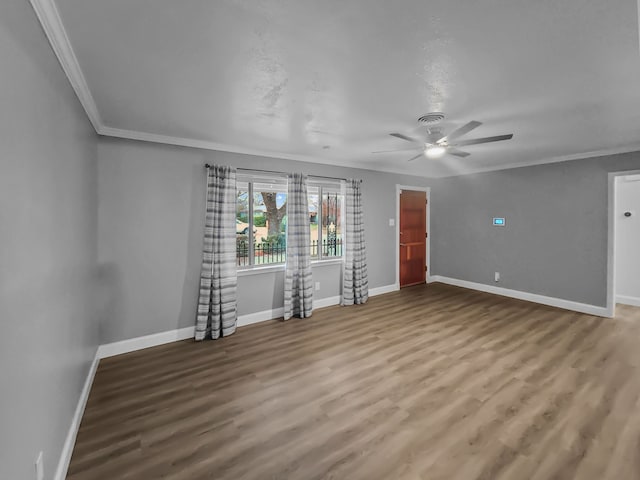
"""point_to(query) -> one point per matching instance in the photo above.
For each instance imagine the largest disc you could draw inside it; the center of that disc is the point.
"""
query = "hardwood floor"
(432, 382)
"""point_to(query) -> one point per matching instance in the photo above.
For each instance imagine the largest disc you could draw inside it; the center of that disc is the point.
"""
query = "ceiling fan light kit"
(435, 151)
(437, 144)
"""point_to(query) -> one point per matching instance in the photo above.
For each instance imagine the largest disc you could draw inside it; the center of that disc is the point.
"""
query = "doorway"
(627, 238)
(616, 209)
(412, 236)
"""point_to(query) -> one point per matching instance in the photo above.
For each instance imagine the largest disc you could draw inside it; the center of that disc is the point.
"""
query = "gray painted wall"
(151, 198)
(555, 239)
(48, 227)
(151, 204)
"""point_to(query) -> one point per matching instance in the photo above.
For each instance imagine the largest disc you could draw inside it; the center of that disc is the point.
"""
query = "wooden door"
(413, 237)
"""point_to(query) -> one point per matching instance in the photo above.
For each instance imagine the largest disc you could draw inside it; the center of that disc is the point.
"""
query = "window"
(261, 221)
(325, 220)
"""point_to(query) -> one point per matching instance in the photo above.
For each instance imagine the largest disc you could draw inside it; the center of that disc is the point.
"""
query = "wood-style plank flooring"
(432, 382)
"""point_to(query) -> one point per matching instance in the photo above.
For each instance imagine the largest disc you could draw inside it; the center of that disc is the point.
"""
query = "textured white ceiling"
(294, 77)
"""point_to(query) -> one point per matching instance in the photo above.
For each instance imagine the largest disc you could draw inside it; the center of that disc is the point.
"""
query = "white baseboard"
(530, 297)
(257, 317)
(327, 302)
(625, 300)
(265, 315)
(70, 441)
(138, 343)
(153, 340)
(133, 344)
(384, 289)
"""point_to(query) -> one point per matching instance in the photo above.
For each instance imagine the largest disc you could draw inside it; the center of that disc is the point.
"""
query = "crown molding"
(49, 17)
(204, 144)
(223, 147)
(558, 159)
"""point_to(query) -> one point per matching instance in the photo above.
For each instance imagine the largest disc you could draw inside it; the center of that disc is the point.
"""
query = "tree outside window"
(261, 222)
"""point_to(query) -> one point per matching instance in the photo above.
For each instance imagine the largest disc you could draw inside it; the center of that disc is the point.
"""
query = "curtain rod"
(207, 166)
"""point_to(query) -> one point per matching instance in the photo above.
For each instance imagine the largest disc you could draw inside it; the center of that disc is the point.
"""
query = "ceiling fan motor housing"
(434, 134)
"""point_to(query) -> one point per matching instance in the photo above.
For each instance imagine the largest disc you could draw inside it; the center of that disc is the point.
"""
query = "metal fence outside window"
(267, 253)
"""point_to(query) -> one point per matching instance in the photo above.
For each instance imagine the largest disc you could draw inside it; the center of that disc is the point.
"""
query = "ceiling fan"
(437, 144)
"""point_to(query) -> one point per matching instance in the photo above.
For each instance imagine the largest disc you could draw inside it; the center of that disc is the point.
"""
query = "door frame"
(399, 188)
(611, 239)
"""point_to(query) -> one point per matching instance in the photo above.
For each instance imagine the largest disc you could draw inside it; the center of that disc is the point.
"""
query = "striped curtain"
(217, 305)
(298, 283)
(355, 282)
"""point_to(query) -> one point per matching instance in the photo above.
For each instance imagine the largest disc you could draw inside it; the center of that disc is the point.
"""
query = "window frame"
(250, 180)
(333, 187)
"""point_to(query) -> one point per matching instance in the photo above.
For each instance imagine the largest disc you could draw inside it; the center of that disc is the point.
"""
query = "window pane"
(270, 217)
(332, 224)
(314, 219)
(242, 224)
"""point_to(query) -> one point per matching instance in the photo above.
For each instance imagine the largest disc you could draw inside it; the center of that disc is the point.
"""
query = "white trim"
(155, 339)
(266, 315)
(70, 441)
(631, 178)
(427, 190)
(557, 159)
(327, 261)
(223, 147)
(327, 302)
(625, 300)
(51, 22)
(257, 270)
(257, 317)
(49, 17)
(280, 267)
(611, 238)
(530, 297)
(384, 289)
(138, 343)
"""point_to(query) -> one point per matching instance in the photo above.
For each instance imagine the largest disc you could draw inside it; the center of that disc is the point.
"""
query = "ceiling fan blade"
(458, 153)
(476, 141)
(417, 156)
(463, 130)
(401, 150)
(404, 137)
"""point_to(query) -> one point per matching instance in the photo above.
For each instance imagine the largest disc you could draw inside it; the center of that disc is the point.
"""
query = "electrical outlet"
(392, 222)
(497, 276)
(39, 467)
(317, 286)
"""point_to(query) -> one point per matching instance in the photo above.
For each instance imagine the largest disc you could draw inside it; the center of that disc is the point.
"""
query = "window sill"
(328, 261)
(258, 270)
(280, 267)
